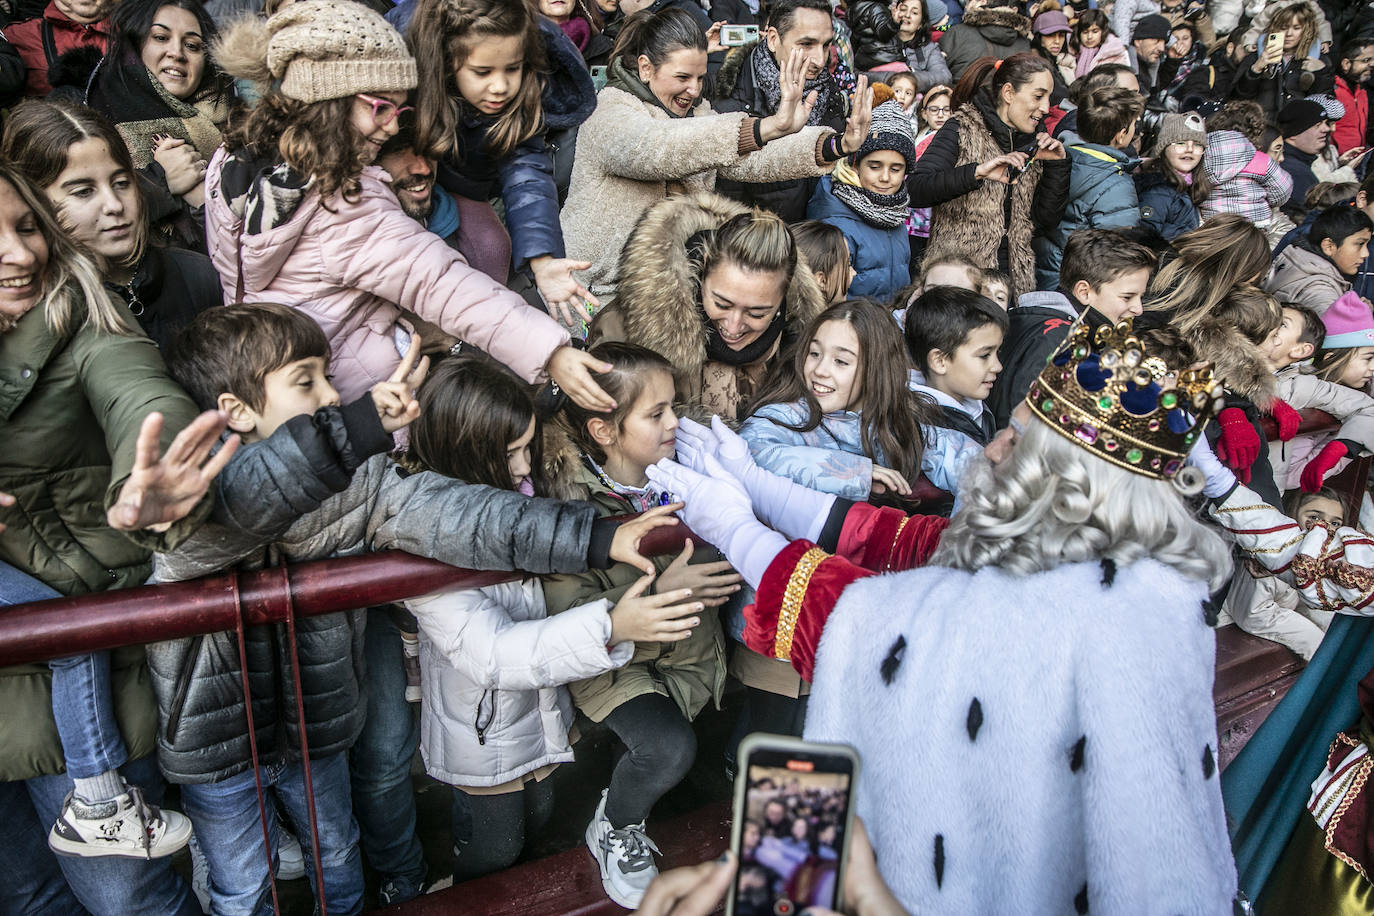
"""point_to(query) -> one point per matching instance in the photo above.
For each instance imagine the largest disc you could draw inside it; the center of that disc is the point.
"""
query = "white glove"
(1220, 480)
(789, 507)
(717, 508)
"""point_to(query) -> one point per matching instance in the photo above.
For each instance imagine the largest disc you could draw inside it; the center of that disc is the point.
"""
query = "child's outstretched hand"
(395, 398)
(1287, 419)
(162, 489)
(625, 543)
(713, 583)
(665, 617)
(886, 479)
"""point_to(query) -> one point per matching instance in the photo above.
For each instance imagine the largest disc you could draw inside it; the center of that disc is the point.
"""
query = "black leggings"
(489, 830)
(659, 749)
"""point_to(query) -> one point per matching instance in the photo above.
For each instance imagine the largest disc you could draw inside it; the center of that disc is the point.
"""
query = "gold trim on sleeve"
(792, 598)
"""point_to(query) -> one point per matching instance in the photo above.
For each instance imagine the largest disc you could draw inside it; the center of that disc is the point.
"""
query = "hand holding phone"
(732, 36)
(793, 820)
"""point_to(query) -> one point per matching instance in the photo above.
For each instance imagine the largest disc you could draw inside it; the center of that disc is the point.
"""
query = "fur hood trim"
(1007, 19)
(241, 50)
(727, 77)
(658, 295)
(1242, 368)
(564, 471)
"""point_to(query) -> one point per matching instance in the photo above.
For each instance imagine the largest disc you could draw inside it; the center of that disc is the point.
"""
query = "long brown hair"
(317, 139)
(891, 416)
(1225, 252)
(39, 135)
(1306, 15)
(1018, 70)
(471, 409)
(441, 35)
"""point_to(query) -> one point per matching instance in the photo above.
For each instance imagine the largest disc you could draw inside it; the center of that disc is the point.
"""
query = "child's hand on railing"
(1286, 418)
(665, 617)
(625, 543)
(395, 398)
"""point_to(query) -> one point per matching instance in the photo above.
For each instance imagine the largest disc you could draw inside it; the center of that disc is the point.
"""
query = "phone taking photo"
(733, 36)
(793, 817)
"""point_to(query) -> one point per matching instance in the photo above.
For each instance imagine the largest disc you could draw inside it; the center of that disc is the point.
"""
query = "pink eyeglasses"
(384, 112)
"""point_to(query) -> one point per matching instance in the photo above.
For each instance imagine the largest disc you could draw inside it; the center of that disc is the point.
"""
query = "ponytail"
(656, 35)
(1018, 70)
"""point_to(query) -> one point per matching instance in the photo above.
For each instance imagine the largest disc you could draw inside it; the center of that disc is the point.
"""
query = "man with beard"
(748, 81)
(470, 226)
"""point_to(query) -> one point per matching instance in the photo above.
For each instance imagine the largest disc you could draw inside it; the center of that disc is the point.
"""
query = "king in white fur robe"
(1032, 745)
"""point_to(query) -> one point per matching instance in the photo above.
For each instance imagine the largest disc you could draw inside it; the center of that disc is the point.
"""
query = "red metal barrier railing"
(150, 613)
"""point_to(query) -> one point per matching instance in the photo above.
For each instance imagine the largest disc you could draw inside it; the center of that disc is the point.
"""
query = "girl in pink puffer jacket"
(296, 213)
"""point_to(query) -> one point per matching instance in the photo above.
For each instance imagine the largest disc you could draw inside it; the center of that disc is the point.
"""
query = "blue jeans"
(383, 797)
(81, 700)
(38, 883)
(229, 831)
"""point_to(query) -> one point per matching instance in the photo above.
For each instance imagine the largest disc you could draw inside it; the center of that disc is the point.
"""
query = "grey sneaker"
(125, 826)
(290, 855)
(625, 857)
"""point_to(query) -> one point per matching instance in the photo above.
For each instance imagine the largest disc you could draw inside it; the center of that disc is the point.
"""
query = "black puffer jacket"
(875, 34)
(998, 33)
(1279, 85)
(202, 734)
(169, 289)
(737, 90)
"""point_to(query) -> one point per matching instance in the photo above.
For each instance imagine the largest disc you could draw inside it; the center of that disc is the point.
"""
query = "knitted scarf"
(264, 192)
(133, 98)
(885, 211)
(768, 78)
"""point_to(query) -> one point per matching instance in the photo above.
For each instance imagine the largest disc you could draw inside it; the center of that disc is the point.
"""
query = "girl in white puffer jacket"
(495, 716)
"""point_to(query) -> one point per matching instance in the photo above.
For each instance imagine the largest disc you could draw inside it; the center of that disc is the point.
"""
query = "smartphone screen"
(795, 815)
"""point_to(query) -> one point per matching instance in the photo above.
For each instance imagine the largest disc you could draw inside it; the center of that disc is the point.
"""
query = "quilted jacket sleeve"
(531, 200)
(478, 637)
(395, 258)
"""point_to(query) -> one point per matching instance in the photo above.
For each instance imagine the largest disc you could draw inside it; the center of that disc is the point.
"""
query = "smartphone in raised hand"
(793, 817)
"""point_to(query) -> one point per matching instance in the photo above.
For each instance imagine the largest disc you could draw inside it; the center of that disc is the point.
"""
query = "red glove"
(1239, 444)
(1320, 466)
(1287, 418)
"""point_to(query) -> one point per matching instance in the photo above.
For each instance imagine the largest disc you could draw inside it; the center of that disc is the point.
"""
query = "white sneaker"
(290, 855)
(625, 857)
(124, 826)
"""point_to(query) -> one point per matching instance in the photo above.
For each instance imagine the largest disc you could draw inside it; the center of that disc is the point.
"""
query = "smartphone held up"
(793, 817)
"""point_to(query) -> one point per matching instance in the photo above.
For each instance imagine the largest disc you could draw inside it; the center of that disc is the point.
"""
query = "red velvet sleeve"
(794, 600)
(886, 539)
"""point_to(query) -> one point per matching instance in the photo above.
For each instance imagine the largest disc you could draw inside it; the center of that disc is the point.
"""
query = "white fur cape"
(1046, 744)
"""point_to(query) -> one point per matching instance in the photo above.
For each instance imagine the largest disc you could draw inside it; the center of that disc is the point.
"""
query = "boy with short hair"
(952, 336)
(313, 482)
(1298, 338)
(1102, 280)
(1101, 191)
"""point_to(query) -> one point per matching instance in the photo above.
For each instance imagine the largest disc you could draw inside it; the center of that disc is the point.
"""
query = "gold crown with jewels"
(1102, 391)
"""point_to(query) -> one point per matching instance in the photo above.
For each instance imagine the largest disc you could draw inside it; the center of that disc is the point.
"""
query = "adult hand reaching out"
(860, 118)
(795, 104)
(162, 490)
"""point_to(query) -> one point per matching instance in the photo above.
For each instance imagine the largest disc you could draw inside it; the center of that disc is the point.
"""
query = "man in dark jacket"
(748, 81)
(994, 31)
(1306, 132)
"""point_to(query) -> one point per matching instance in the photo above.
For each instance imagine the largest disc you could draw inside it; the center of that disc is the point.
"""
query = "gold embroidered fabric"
(792, 598)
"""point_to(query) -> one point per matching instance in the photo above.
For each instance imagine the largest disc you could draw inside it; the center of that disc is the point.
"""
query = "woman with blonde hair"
(88, 410)
(1293, 68)
(1056, 646)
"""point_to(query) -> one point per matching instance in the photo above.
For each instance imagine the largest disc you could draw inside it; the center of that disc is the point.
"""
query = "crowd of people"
(1005, 290)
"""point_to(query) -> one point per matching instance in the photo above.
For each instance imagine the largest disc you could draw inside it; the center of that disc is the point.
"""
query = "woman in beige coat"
(653, 135)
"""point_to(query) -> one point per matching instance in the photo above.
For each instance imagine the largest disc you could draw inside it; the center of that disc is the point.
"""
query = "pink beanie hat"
(1349, 323)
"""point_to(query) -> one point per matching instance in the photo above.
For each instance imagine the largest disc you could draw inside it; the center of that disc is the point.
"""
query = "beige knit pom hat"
(318, 50)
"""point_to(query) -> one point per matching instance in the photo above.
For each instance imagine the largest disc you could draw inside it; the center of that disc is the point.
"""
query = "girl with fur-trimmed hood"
(653, 135)
(718, 289)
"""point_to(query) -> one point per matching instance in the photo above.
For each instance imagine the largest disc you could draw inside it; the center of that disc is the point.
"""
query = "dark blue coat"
(1164, 208)
(880, 256)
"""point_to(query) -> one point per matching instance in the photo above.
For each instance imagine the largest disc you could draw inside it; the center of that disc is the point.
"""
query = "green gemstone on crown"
(1168, 400)
(1134, 456)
